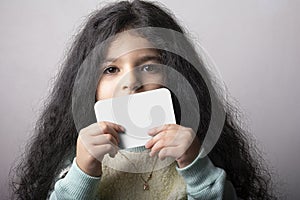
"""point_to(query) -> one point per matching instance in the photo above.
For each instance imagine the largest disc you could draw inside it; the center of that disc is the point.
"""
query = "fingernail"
(151, 130)
(122, 128)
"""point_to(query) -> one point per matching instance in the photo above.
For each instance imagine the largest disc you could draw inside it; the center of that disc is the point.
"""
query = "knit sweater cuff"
(77, 184)
(201, 174)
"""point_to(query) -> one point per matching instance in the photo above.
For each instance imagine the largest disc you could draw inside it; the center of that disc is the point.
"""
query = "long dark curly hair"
(55, 136)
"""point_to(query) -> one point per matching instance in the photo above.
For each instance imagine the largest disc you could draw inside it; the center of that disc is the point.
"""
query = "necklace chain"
(146, 185)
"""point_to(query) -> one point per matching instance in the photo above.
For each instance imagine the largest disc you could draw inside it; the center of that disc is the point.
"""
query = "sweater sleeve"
(205, 181)
(75, 185)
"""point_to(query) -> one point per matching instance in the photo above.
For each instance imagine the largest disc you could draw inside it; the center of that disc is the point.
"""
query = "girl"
(67, 158)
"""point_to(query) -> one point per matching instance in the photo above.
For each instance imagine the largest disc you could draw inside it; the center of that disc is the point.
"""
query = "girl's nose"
(131, 82)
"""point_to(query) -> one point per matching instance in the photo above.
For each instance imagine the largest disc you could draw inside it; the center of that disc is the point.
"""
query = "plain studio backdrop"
(255, 45)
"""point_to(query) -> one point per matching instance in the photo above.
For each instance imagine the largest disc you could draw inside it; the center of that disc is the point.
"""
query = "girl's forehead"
(125, 43)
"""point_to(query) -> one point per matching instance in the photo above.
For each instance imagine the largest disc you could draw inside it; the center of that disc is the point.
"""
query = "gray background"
(255, 44)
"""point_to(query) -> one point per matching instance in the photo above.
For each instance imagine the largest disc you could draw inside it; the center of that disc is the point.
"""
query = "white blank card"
(137, 113)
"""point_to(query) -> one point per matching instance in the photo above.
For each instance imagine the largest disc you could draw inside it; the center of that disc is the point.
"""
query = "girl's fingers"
(152, 141)
(99, 145)
(160, 136)
(112, 132)
(115, 126)
(158, 129)
(110, 128)
(90, 142)
(92, 129)
(99, 151)
(99, 129)
(169, 135)
(176, 137)
(161, 144)
(159, 132)
(169, 152)
(103, 139)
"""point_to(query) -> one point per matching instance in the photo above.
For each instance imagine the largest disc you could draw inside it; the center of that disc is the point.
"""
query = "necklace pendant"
(146, 186)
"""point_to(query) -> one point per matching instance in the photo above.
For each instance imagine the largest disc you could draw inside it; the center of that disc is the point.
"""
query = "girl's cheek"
(155, 78)
(105, 89)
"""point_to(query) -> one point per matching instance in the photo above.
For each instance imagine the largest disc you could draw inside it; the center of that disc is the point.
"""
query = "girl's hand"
(173, 140)
(93, 143)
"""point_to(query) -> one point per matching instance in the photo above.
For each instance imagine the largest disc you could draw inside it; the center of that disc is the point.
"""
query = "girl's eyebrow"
(139, 61)
(147, 58)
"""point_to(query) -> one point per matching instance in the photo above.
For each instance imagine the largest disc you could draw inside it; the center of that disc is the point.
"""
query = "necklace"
(146, 184)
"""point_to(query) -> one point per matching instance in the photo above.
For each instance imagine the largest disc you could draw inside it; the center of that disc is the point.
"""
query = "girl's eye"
(150, 68)
(110, 70)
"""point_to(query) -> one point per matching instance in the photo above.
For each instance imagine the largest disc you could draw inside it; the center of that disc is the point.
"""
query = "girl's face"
(132, 72)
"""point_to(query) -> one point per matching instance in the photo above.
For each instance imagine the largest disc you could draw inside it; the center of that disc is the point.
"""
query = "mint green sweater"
(199, 180)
